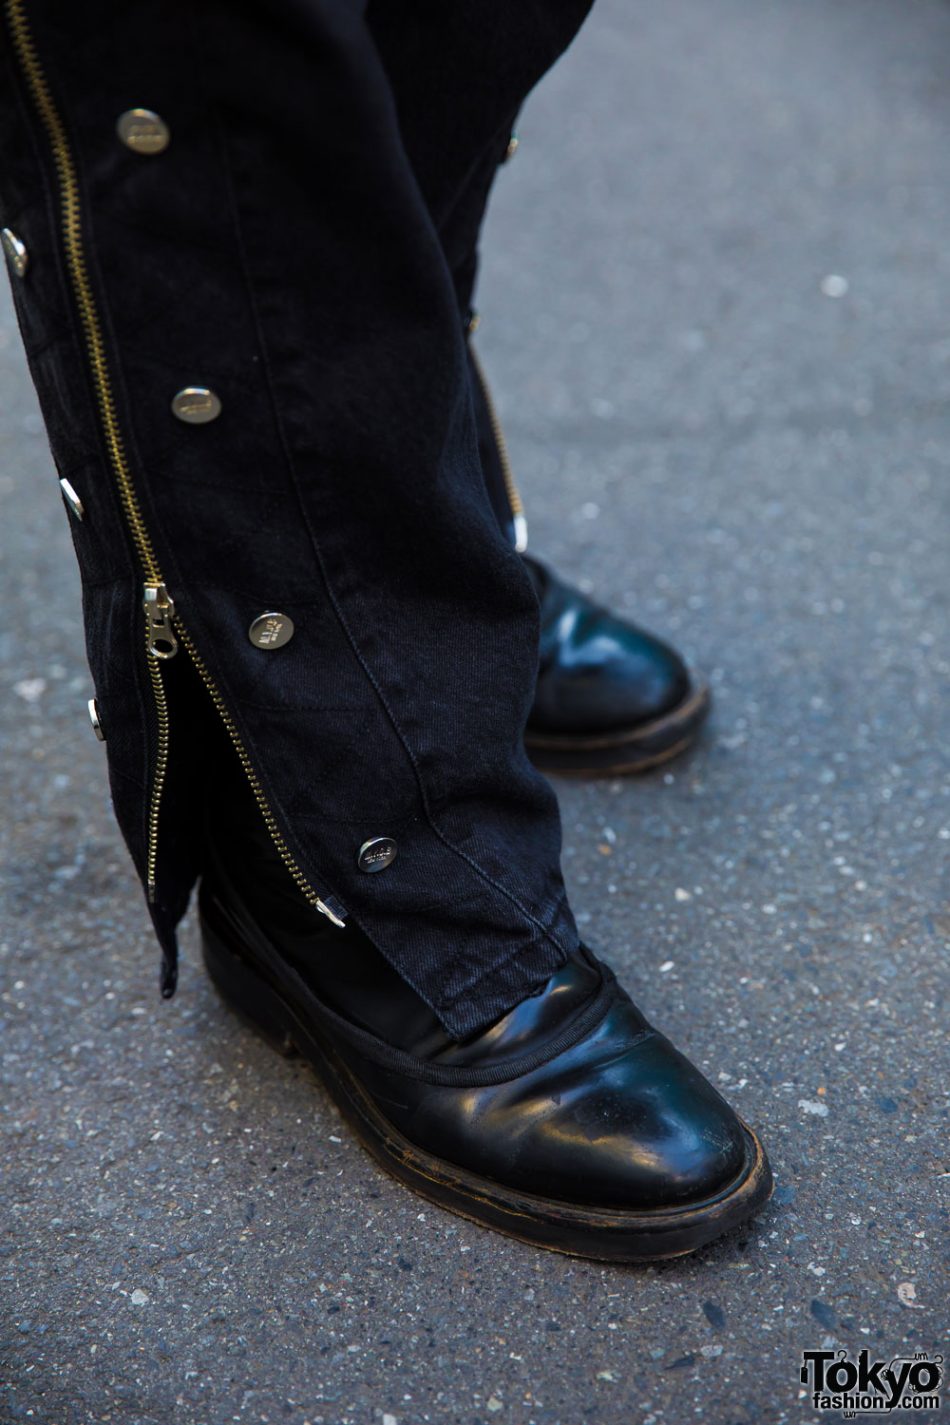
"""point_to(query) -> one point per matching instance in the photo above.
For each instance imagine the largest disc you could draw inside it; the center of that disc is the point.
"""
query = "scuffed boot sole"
(604, 1234)
(618, 754)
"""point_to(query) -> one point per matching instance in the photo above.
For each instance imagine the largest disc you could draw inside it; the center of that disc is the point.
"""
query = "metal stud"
(17, 255)
(196, 405)
(76, 506)
(143, 131)
(512, 148)
(93, 708)
(376, 854)
(271, 630)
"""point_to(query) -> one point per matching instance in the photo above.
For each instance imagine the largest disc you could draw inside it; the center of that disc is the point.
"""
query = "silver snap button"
(512, 148)
(143, 131)
(376, 854)
(196, 405)
(17, 255)
(76, 506)
(93, 708)
(271, 630)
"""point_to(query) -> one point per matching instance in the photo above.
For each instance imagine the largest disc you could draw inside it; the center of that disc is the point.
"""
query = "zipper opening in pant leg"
(158, 778)
(303, 885)
(161, 622)
(515, 503)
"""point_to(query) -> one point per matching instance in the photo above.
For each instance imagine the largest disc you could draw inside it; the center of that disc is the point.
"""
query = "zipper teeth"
(302, 883)
(515, 502)
(161, 768)
(75, 258)
(95, 346)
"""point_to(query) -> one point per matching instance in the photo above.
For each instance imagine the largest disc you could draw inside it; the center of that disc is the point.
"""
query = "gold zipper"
(95, 348)
(160, 619)
(511, 489)
(76, 262)
(158, 779)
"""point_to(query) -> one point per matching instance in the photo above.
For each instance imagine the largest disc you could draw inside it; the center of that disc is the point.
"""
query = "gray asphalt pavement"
(715, 308)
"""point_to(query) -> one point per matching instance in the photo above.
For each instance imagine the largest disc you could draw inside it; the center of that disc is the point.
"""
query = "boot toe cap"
(653, 1135)
(621, 1122)
(654, 679)
(606, 675)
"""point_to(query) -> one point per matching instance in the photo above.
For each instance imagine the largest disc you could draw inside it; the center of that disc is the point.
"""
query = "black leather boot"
(569, 1123)
(611, 698)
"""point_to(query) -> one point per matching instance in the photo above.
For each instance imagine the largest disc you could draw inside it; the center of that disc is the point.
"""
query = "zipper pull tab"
(330, 914)
(159, 612)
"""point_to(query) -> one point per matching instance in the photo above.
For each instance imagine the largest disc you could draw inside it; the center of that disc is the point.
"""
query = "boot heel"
(244, 991)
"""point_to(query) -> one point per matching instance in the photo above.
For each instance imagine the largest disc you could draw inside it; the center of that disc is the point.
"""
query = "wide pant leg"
(269, 243)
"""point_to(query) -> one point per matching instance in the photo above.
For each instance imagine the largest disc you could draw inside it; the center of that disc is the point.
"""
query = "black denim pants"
(242, 241)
